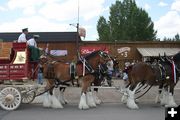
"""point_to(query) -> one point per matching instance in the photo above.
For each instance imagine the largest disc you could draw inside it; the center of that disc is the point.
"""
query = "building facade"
(64, 44)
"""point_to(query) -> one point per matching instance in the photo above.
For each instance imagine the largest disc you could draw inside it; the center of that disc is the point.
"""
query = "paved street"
(106, 111)
(110, 109)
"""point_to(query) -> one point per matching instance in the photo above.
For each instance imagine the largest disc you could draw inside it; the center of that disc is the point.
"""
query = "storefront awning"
(154, 52)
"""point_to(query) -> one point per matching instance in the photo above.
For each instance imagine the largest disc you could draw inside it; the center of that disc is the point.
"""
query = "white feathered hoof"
(157, 99)
(46, 101)
(136, 101)
(164, 100)
(61, 98)
(90, 100)
(130, 101)
(124, 98)
(171, 101)
(131, 104)
(82, 104)
(96, 99)
(55, 103)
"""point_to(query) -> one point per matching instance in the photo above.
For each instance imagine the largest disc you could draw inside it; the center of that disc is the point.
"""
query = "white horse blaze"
(90, 100)
(83, 103)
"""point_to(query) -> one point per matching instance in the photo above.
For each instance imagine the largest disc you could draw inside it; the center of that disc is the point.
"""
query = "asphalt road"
(106, 111)
(111, 109)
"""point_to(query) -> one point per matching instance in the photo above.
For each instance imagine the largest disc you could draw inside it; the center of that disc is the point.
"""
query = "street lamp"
(77, 38)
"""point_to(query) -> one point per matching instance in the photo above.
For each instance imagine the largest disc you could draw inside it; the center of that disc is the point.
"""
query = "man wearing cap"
(32, 41)
(22, 37)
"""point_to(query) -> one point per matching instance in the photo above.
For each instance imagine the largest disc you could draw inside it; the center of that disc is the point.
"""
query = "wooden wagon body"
(16, 70)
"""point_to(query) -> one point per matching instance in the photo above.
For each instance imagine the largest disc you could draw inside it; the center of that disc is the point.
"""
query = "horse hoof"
(135, 107)
(124, 99)
(173, 105)
(57, 107)
(92, 105)
(132, 105)
(85, 107)
(98, 102)
(137, 100)
(64, 102)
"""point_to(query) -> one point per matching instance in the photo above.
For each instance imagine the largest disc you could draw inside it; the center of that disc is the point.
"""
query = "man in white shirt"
(110, 65)
(22, 37)
(32, 41)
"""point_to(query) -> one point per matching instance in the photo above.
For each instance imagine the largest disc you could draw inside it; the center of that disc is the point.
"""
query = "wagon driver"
(22, 37)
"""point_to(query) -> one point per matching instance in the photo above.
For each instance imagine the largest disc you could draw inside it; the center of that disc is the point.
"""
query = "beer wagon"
(16, 75)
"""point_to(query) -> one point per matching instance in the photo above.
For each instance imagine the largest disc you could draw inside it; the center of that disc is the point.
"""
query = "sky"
(57, 15)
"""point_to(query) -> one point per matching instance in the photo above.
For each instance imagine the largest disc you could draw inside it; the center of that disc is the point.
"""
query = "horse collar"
(86, 65)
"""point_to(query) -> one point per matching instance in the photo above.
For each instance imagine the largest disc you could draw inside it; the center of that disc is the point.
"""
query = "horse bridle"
(88, 66)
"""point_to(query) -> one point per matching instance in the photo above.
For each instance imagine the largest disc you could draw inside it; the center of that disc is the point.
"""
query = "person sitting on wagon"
(32, 41)
(34, 55)
(22, 37)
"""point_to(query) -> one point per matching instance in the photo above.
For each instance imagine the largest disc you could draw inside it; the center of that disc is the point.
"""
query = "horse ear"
(160, 57)
(165, 55)
(104, 49)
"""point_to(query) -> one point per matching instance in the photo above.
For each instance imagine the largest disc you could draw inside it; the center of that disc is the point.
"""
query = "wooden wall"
(70, 47)
(123, 56)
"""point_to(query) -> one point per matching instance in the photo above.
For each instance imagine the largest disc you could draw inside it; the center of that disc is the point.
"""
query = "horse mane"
(88, 56)
(176, 57)
(164, 60)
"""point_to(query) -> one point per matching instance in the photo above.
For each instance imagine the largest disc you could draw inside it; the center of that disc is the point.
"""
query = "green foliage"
(126, 22)
(175, 38)
(103, 28)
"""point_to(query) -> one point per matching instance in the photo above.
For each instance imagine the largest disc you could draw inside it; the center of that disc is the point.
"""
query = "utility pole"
(77, 35)
(77, 39)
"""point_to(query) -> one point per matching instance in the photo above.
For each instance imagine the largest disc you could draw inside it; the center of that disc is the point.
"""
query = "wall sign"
(124, 51)
(59, 52)
(90, 49)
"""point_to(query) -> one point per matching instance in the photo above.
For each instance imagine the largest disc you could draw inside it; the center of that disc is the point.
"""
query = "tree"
(103, 28)
(177, 37)
(127, 22)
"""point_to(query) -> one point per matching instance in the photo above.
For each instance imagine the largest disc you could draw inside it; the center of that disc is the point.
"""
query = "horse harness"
(161, 69)
(86, 67)
(51, 72)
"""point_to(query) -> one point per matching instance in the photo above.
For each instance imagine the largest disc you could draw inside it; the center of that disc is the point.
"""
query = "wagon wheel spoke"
(28, 97)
